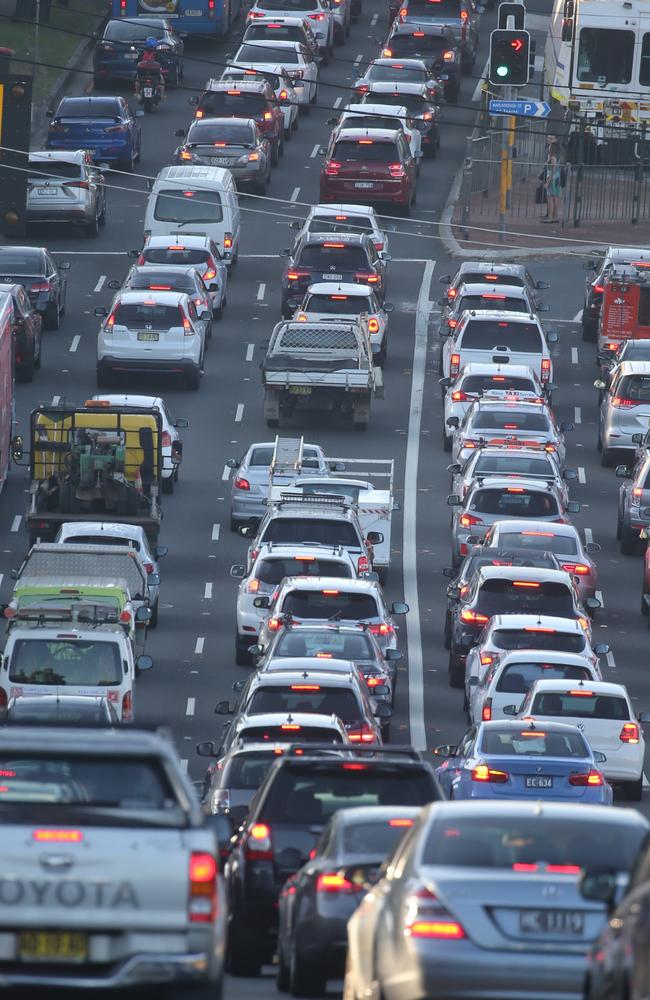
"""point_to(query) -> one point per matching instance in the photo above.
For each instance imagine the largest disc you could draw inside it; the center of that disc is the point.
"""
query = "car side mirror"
(285, 253)
(206, 748)
(592, 603)
(573, 507)
(385, 256)
(332, 121)
(181, 423)
(453, 422)
(569, 474)
(100, 311)
(375, 537)
(449, 572)
(444, 279)
(600, 383)
(239, 686)
(600, 758)
(294, 225)
(623, 472)
(589, 265)
(454, 500)
(133, 253)
(541, 286)
(599, 886)
(153, 579)
(143, 662)
(472, 681)
(14, 574)
(382, 711)
(509, 709)
(143, 614)
(444, 750)
(161, 551)
(644, 717)
(238, 572)
(388, 307)
(637, 439)
(552, 337)
(601, 648)
(543, 307)
(453, 593)
(393, 654)
(261, 602)
(593, 547)
(399, 608)
(223, 708)
(256, 650)
(247, 531)
(566, 426)
(193, 101)
(322, 151)
(115, 285)
(454, 468)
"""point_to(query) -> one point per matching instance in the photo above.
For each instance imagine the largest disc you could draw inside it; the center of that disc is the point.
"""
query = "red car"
(369, 165)
(245, 99)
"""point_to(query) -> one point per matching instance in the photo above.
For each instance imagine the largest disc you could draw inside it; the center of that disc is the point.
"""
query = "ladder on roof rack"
(287, 457)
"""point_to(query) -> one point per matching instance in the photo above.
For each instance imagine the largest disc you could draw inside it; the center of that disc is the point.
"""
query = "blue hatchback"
(523, 759)
(105, 126)
(120, 49)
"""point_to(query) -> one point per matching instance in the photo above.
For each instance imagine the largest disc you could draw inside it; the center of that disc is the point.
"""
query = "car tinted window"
(366, 150)
(580, 704)
(518, 678)
(545, 598)
(89, 107)
(20, 262)
(484, 383)
(297, 798)
(338, 305)
(507, 841)
(324, 256)
(477, 277)
(177, 205)
(545, 541)
(267, 54)
(518, 464)
(406, 44)
(328, 701)
(295, 642)
(132, 31)
(103, 539)
(247, 770)
(288, 5)
(433, 8)
(241, 104)
(373, 120)
(635, 387)
(489, 301)
(348, 223)
(182, 256)
(272, 571)
(299, 531)
(515, 419)
(235, 133)
(514, 504)
(162, 282)
(329, 605)
(539, 638)
(485, 335)
(43, 170)
(525, 743)
(139, 316)
(60, 662)
(285, 32)
(263, 456)
(289, 732)
(407, 74)
(378, 838)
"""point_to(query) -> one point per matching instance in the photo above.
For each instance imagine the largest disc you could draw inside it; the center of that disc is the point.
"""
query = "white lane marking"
(261, 291)
(250, 351)
(216, 528)
(225, 475)
(207, 593)
(539, 64)
(294, 194)
(100, 284)
(478, 89)
(191, 705)
(239, 413)
(558, 319)
(577, 317)
(15, 524)
(574, 355)
(184, 765)
(357, 59)
(75, 343)
(373, 20)
(577, 415)
(611, 662)
(410, 557)
(599, 597)
(589, 536)
(646, 783)
(337, 102)
(2, 576)
(581, 475)
(200, 643)
(314, 152)
(56, 400)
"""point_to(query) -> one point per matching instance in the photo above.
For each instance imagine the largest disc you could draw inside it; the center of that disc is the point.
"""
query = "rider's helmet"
(150, 44)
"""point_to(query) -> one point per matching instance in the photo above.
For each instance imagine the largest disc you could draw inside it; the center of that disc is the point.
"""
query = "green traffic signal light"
(509, 56)
(502, 71)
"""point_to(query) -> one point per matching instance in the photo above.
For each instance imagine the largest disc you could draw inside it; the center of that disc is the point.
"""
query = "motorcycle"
(149, 93)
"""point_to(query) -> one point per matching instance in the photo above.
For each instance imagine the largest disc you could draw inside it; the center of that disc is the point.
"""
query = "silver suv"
(625, 409)
(66, 187)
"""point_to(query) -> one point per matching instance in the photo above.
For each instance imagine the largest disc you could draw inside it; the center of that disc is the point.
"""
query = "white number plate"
(131, 55)
(332, 277)
(364, 184)
(222, 161)
(148, 92)
(48, 191)
(193, 13)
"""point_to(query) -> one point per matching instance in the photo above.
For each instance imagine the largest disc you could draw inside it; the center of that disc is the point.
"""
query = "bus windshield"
(605, 56)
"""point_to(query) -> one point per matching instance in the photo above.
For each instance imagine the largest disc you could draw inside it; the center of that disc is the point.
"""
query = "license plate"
(131, 55)
(551, 922)
(47, 191)
(193, 13)
(221, 161)
(148, 92)
(300, 390)
(332, 277)
(52, 946)
(538, 781)
(363, 184)
(148, 336)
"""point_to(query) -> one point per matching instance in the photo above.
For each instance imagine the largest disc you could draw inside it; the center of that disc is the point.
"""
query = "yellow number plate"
(53, 946)
(300, 390)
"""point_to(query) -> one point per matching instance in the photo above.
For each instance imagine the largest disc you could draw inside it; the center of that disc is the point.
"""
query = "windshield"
(327, 701)
(272, 32)
(515, 501)
(538, 637)
(326, 256)
(262, 456)
(182, 256)
(365, 150)
(132, 31)
(440, 9)
(329, 643)
(525, 843)
(486, 383)
(338, 305)
(516, 464)
(545, 541)
(605, 56)
(267, 54)
(497, 597)
(346, 224)
(139, 316)
(581, 703)
(302, 531)
(375, 838)
(247, 770)
(273, 571)
(44, 170)
(405, 74)
(207, 134)
(236, 103)
(374, 120)
(176, 205)
(330, 604)
(518, 678)
(514, 743)
(487, 335)
(489, 301)
(513, 419)
(60, 661)
(416, 43)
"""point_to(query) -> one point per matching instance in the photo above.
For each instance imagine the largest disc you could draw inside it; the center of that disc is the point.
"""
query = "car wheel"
(129, 165)
(633, 790)
(304, 979)
(447, 631)
(193, 378)
(589, 329)
(275, 153)
(153, 621)
(92, 228)
(294, 123)
(260, 187)
(242, 657)
(282, 977)
(447, 441)
(168, 484)
(629, 541)
(101, 218)
(103, 379)
(607, 457)
(456, 673)
(52, 315)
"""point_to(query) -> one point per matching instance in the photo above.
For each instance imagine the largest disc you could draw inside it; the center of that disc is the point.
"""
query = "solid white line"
(314, 152)
(200, 643)
(577, 415)
(56, 400)
(75, 344)
(2, 576)
(577, 317)
(581, 475)
(207, 593)
(337, 102)
(250, 351)
(589, 536)
(216, 528)
(225, 475)
(294, 194)
(373, 20)
(574, 355)
(191, 704)
(184, 765)
(646, 783)
(261, 291)
(410, 557)
(239, 413)
(611, 662)
(357, 59)
(599, 597)
(100, 284)
(15, 524)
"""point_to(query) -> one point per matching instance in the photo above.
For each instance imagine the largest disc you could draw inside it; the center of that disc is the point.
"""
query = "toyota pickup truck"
(321, 366)
(110, 870)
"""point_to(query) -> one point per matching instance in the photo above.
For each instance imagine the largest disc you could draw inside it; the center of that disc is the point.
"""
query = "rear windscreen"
(139, 316)
(510, 597)
(545, 541)
(322, 257)
(298, 797)
(419, 42)
(272, 571)
(515, 419)
(302, 531)
(508, 503)
(525, 743)
(539, 638)
(291, 732)
(406, 74)
(515, 464)
(366, 151)
(635, 388)
(267, 54)
(60, 662)
(162, 282)
(338, 305)
(372, 121)
(326, 701)
(518, 678)
(376, 838)
(433, 8)
(239, 103)
(132, 31)
(327, 643)
(486, 335)
(232, 133)
(42, 170)
(182, 256)
(580, 703)
(284, 32)
(189, 205)
(488, 301)
(289, 5)
(329, 604)
(346, 224)
(485, 383)
(477, 277)
(102, 539)
(247, 770)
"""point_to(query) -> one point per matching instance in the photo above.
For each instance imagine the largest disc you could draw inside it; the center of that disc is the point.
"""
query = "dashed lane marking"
(184, 765)
(577, 317)
(216, 528)
(191, 705)
(225, 475)
(261, 291)
(357, 59)
(574, 355)
(200, 643)
(250, 351)
(577, 415)
(100, 284)
(582, 479)
(15, 524)
(373, 20)
(207, 592)
(589, 536)
(337, 102)
(314, 152)
(599, 597)
(294, 194)
(239, 413)
(75, 343)
(611, 662)
(56, 400)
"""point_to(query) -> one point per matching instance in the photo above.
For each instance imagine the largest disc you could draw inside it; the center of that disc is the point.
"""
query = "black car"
(423, 113)
(291, 809)
(459, 15)
(60, 710)
(171, 279)
(342, 257)
(316, 902)
(435, 45)
(36, 270)
(27, 326)
(121, 47)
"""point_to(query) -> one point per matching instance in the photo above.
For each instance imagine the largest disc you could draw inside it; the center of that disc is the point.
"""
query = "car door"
(56, 279)
(31, 324)
(128, 119)
(310, 69)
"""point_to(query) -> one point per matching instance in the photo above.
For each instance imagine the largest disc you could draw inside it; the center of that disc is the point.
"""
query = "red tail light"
(546, 369)
(253, 586)
(166, 439)
(623, 404)
(454, 364)
(316, 17)
(486, 715)
(185, 154)
(141, 260)
(212, 269)
(363, 565)
(473, 617)
(396, 170)
(589, 779)
(578, 568)
(255, 13)
(425, 917)
(363, 88)
(367, 278)
(363, 735)
(449, 56)
(334, 882)
(467, 520)
(297, 275)
(127, 707)
(148, 566)
(375, 681)
(382, 629)
(40, 286)
(273, 624)
(241, 484)
(332, 168)
(227, 238)
(629, 733)
(77, 184)
(202, 903)
(259, 846)
(484, 773)
(458, 396)
(599, 289)
(452, 293)
(122, 7)
(373, 325)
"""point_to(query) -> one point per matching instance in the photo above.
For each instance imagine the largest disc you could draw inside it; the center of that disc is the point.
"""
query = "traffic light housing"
(509, 57)
(15, 118)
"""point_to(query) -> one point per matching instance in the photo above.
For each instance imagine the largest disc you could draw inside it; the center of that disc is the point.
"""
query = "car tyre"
(168, 484)
(193, 378)
(242, 657)
(128, 165)
(92, 228)
(103, 379)
(447, 441)
(25, 371)
(629, 541)
(275, 153)
(456, 673)
(52, 315)
(607, 457)
(242, 957)
(153, 621)
(304, 979)
(633, 790)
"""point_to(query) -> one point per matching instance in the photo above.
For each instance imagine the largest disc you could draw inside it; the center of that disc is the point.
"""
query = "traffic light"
(509, 57)
(15, 116)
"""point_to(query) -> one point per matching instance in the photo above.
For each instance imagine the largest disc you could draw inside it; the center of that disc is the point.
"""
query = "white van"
(195, 201)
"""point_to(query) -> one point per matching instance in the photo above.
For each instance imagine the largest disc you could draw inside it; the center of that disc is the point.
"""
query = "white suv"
(318, 12)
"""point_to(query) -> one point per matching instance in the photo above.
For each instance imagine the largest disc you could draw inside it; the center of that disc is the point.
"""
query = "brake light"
(418, 34)
(546, 369)
(590, 779)
(227, 241)
(387, 53)
(199, 114)
(467, 520)
(52, 836)
(77, 184)
(473, 617)
(375, 681)
(403, 12)
(363, 88)
(331, 593)
(211, 271)
(127, 707)
(454, 364)
(382, 629)
(449, 56)
(486, 715)
(458, 396)
(40, 286)
(305, 687)
(241, 484)
(400, 822)
(297, 275)
(273, 624)
(363, 735)
(396, 170)
(620, 404)
(283, 96)
(378, 245)
(259, 846)
(363, 565)
(629, 733)
(538, 628)
(599, 289)
(334, 882)
(486, 660)
(452, 293)
(203, 888)
(166, 439)
(452, 323)
(332, 168)
(425, 917)
(584, 623)
(484, 773)
(316, 17)
(373, 325)
(188, 329)
(578, 568)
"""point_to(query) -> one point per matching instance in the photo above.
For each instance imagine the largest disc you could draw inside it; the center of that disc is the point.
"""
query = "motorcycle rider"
(150, 67)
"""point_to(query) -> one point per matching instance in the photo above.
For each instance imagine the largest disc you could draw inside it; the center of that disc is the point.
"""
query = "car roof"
(543, 656)
(477, 810)
(301, 666)
(71, 528)
(127, 296)
(314, 238)
(493, 368)
(540, 573)
(488, 315)
(485, 287)
(516, 622)
(634, 368)
(337, 678)
(195, 240)
(330, 582)
(81, 107)
(505, 482)
(527, 526)
(340, 288)
(347, 133)
(398, 87)
(598, 687)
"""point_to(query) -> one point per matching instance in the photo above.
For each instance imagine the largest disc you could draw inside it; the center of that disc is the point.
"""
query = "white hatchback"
(296, 59)
(382, 116)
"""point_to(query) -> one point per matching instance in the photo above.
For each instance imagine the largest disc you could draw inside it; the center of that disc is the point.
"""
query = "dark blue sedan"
(120, 49)
(105, 126)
